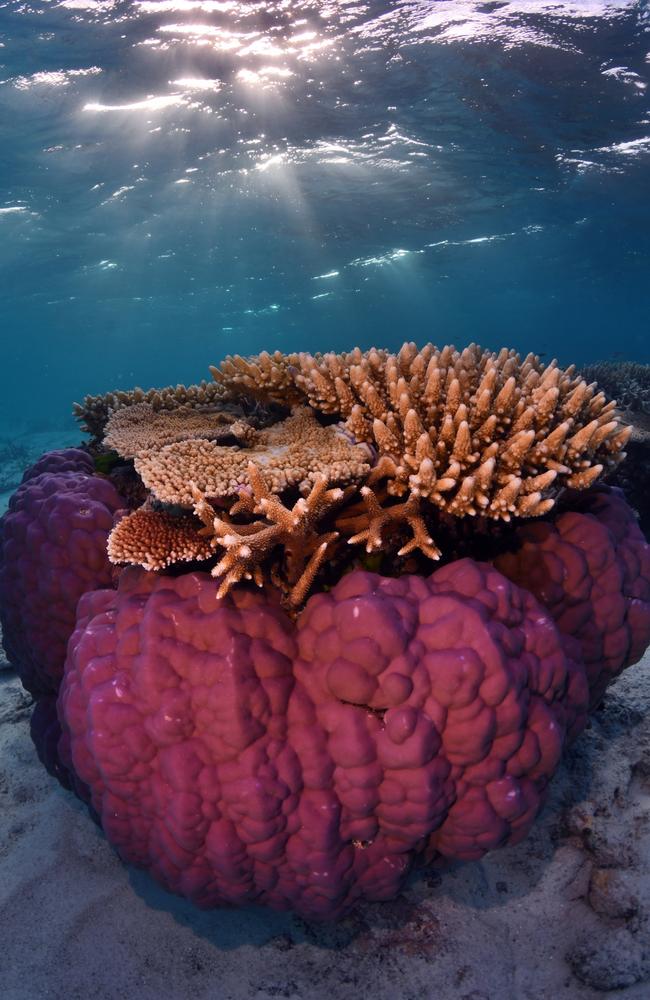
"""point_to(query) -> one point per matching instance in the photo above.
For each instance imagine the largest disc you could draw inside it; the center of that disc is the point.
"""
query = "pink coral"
(591, 569)
(52, 549)
(241, 758)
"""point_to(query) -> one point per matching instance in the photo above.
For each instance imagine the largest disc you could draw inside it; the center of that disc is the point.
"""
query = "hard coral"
(473, 432)
(290, 453)
(52, 549)
(95, 411)
(628, 382)
(156, 540)
(296, 531)
(591, 569)
(136, 428)
(238, 758)
(450, 433)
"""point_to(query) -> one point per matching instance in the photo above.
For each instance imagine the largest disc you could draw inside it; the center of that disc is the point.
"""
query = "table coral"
(95, 411)
(136, 428)
(292, 452)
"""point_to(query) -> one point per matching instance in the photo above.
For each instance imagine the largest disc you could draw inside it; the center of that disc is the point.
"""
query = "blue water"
(180, 180)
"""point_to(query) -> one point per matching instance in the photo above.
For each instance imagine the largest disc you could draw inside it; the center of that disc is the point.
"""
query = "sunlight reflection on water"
(455, 170)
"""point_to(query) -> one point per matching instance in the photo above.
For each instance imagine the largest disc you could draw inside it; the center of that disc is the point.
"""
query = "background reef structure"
(290, 728)
(629, 383)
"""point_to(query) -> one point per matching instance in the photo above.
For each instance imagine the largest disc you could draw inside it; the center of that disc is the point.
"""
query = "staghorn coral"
(471, 431)
(95, 411)
(379, 517)
(304, 548)
(141, 427)
(291, 453)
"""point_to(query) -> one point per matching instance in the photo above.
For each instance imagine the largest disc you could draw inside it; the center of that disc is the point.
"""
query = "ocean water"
(182, 179)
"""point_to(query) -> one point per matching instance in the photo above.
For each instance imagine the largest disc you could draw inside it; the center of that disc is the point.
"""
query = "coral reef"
(628, 382)
(301, 742)
(467, 433)
(304, 767)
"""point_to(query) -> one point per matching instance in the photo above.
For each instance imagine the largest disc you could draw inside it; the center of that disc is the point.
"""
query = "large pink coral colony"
(242, 755)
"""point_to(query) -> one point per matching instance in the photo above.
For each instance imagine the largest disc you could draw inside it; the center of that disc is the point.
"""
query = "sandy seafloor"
(564, 914)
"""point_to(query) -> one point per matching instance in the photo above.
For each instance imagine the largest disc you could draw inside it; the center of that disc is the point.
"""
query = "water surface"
(180, 180)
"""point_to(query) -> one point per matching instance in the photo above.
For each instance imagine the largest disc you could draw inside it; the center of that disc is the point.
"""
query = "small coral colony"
(292, 629)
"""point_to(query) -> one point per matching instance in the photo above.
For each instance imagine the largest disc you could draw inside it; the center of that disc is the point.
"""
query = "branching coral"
(379, 518)
(304, 548)
(628, 382)
(266, 376)
(471, 431)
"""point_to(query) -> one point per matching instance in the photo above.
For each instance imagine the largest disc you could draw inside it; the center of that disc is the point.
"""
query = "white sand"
(565, 914)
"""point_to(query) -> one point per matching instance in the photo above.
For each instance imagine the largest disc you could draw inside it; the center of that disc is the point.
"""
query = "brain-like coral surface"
(591, 569)
(62, 460)
(241, 757)
(52, 549)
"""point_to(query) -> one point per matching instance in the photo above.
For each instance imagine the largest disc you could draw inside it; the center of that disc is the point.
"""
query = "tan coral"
(291, 453)
(94, 412)
(472, 432)
(379, 518)
(266, 375)
(420, 432)
(156, 540)
(137, 428)
(294, 530)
